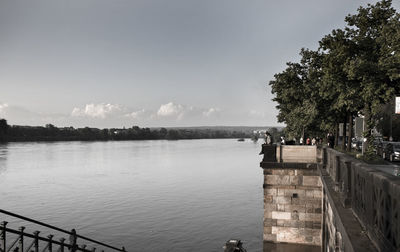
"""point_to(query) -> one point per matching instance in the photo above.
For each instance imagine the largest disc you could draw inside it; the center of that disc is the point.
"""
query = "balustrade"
(13, 240)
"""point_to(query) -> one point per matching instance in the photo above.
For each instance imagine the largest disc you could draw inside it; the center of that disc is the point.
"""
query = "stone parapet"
(368, 193)
(292, 204)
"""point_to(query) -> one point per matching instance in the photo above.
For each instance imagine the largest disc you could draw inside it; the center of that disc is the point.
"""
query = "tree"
(3, 129)
(337, 88)
(375, 62)
(296, 90)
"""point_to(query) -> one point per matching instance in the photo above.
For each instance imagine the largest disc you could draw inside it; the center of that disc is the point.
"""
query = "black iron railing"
(23, 241)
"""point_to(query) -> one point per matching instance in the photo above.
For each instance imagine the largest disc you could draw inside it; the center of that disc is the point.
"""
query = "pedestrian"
(301, 140)
(313, 141)
(308, 141)
(330, 139)
(268, 139)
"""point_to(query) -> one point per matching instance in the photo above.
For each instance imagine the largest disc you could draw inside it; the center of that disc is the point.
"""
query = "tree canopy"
(354, 71)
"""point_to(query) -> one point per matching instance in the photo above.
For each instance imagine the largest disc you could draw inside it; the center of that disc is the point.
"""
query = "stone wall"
(329, 199)
(363, 198)
(297, 153)
(292, 205)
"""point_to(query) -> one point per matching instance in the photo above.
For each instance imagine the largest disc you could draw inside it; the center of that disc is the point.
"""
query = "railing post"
(21, 239)
(50, 237)
(36, 234)
(123, 249)
(72, 241)
(62, 245)
(3, 236)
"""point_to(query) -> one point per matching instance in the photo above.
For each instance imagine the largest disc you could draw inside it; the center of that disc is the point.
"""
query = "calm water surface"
(187, 195)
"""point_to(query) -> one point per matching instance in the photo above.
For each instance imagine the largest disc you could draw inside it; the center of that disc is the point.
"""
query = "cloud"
(171, 109)
(211, 112)
(3, 107)
(101, 110)
(178, 111)
(136, 114)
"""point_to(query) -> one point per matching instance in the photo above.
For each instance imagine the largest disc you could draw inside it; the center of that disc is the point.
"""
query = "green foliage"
(53, 133)
(355, 70)
(3, 129)
(296, 92)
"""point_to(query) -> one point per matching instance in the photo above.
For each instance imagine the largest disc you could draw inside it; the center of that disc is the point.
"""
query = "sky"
(151, 63)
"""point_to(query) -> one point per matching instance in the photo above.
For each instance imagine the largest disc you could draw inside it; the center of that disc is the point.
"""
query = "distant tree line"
(355, 71)
(16, 133)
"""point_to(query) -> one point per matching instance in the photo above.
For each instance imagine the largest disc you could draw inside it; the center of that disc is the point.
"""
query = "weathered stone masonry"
(323, 200)
(292, 205)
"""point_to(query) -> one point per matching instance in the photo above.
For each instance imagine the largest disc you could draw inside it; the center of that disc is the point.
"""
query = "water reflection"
(145, 195)
(3, 157)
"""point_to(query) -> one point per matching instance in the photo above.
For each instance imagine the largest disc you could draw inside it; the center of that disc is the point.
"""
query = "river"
(186, 195)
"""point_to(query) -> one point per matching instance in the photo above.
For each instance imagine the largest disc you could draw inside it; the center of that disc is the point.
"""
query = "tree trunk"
(344, 133)
(368, 125)
(350, 132)
(336, 134)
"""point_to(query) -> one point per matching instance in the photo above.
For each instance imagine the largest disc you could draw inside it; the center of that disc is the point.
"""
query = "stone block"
(296, 201)
(299, 192)
(269, 237)
(310, 217)
(282, 200)
(311, 232)
(281, 215)
(311, 181)
(269, 222)
(296, 180)
(284, 180)
(309, 239)
(298, 208)
(270, 207)
(280, 223)
(267, 214)
(267, 230)
(316, 225)
(268, 199)
(271, 179)
(270, 191)
(281, 207)
(310, 193)
(318, 194)
(281, 192)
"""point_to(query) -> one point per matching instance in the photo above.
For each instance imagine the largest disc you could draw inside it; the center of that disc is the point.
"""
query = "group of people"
(308, 141)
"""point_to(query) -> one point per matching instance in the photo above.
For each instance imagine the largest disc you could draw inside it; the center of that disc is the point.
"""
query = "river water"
(186, 195)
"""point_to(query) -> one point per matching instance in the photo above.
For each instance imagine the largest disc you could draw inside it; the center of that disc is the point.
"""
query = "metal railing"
(34, 242)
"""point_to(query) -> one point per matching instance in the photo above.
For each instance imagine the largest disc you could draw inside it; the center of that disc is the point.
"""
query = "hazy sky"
(153, 63)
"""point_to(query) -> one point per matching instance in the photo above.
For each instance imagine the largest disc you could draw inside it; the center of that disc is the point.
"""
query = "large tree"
(375, 62)
(342, 91)
(296, 92)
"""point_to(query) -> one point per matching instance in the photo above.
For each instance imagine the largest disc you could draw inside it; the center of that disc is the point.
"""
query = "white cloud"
(211, 111)
(177, 111)
(3, 107)
(136, 114)
(101, 110)
(171, 109)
